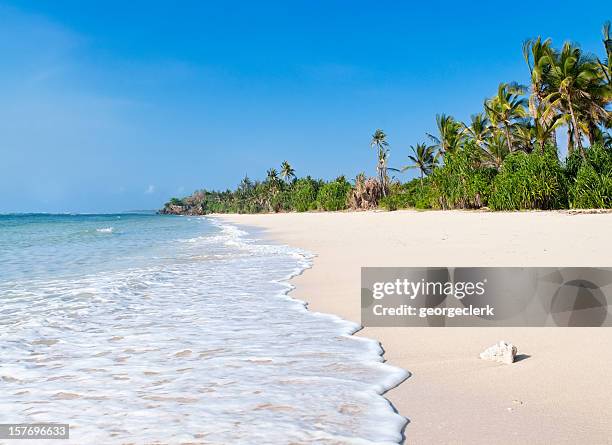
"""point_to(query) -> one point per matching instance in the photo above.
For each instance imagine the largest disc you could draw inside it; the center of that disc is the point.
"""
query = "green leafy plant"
(462, 183)
(333, 195)
(592, 186)
(304, 194)
(529, 181)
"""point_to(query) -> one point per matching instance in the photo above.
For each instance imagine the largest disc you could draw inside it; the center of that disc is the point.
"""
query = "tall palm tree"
(272, 175)
(606, 64)
(537, 55)
(575, 80)
(423, 158)
(379, 142)
(272, 180)
(287, 172)
(450, 135)
(594, 112)
(597, 114)
(506, 109)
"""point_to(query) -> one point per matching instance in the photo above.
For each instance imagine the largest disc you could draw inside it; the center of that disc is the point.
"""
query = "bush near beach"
(506, 157)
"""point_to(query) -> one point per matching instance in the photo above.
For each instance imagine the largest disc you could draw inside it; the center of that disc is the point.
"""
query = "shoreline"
(553, 395)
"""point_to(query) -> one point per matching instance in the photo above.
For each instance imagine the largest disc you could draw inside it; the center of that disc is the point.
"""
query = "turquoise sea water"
(40, 245)
(142, 328)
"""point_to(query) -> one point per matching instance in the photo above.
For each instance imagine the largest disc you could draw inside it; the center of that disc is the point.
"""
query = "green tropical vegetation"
(506, 157)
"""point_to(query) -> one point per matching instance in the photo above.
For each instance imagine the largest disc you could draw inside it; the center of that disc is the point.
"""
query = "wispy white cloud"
(150, 189)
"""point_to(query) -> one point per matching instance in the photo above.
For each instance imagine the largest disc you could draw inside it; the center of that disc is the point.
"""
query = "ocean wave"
(105, 230)
(218, 349)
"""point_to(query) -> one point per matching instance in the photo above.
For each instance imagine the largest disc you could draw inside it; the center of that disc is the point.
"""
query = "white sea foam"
(105, 230)
(206, 349)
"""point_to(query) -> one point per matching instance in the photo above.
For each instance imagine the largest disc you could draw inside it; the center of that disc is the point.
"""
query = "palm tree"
(595, 113)
(479, 129)
(606, 64)
(272, 180)
(450, 134)
(379, 141)
(287, 172)
(506, 108)
(544, 126)
(495, 151)
(423, 158)
(575, 79)
(272, 175)
(524, 135)
(537, 55)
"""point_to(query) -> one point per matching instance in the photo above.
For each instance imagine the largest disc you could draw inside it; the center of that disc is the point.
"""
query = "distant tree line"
(505, 158)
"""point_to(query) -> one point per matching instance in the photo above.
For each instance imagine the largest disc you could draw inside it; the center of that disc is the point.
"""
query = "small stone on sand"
(502, 352)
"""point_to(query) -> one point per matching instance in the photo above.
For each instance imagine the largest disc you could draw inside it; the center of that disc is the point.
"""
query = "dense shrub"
(412, 194)
(600, 159)
(281, 201)
(592, 185)
(572, 165)
(591, 190)
(529, 181)
(417, 193)
(333, 195)
(304, 194)
(394, 201)
(461, 183)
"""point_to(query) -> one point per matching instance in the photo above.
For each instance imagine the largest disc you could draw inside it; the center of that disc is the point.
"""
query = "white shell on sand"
(502, 352)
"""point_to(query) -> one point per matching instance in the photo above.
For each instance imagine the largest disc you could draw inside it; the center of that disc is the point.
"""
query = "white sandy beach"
(560, 393)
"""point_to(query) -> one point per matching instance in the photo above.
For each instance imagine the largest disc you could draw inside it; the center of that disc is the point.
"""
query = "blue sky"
(115, 105)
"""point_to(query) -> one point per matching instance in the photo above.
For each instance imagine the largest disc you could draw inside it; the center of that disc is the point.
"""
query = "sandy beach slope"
(560, 393)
